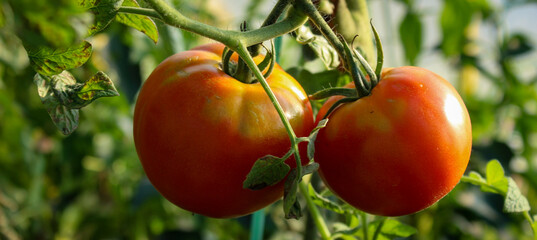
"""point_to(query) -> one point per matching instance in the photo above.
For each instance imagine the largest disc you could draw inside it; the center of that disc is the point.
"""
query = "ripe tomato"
(399, 150)
(198, 132)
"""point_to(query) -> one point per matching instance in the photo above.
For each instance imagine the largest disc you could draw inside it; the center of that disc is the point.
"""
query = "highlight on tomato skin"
(399, 150)
(198, 131)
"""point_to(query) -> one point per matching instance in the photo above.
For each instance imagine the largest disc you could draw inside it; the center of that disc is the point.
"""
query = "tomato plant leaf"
(62, 96)
(324, 202)
(143, 24)
(410, 32)
(52, 94)
(310, 168)
(456, 16)
(104, 10)
(47, 61)
(291, 206)
(496, 178)
(266, 171)
(313, 136)
(319, 45)
(391, 229)
(100, 85)
(514, 200)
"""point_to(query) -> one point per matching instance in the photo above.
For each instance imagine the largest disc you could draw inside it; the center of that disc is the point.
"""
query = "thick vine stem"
(232, 39)
(140, 11)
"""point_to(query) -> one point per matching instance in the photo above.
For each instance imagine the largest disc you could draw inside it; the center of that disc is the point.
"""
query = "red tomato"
(399, 150)
(198, 132)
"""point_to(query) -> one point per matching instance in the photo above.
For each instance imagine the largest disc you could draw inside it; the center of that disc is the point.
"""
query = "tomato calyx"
(363, 85)
(240, 70)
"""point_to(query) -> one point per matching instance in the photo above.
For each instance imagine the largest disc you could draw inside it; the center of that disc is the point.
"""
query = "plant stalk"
(314, 212)
(232, 39)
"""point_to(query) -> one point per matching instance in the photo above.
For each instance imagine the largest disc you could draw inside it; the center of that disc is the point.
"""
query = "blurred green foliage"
(90, 185)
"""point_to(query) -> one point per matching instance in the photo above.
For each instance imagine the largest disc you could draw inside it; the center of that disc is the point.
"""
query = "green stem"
(530, 220)
(245, 55)
(363, 216)
(314, 211)
(379, 228)
(311, 11)
(233, 39)
(140, 11)
(278, 9)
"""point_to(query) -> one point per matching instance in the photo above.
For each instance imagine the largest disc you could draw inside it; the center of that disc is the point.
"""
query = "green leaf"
(456, 16)
(104, 10)
(62, 96)
(100, 85)
(313, 136)
(291, 206)
(325, 203)
(315, 82)
(47, 61)
(514, 200)
(496, 178)
(310, 168)
(410, 32)
(143, 24)
(392, 229)
(50, 91)
(56, 24)
(476, 176)
(266, 171)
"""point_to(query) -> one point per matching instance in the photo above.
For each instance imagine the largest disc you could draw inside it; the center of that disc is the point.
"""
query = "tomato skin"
(399, 150)
(198, 132)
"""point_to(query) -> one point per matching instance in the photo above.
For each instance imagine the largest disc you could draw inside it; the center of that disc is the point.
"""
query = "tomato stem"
(314, 211)
(315, 16)
(245, 55)
(363, 217)
(232, 39)
(141, 11)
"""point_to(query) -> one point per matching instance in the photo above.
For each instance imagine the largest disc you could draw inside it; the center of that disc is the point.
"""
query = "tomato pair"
(198, 132)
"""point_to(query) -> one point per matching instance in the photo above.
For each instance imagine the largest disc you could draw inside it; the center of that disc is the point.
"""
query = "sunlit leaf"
(391, 228)
(496, 177)
(141, 23)
(47, 61)
(514, 200)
